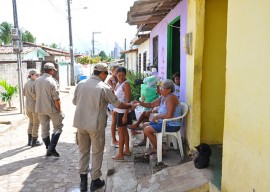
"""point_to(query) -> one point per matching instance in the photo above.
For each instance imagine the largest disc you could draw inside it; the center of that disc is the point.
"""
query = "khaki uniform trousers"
(85, 140)
(33, 124)
(44, 119)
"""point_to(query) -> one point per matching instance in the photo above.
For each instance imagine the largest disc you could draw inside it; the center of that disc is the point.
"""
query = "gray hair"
(169, 84)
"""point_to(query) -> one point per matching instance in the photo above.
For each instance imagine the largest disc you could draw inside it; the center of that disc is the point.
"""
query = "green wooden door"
(173, 47)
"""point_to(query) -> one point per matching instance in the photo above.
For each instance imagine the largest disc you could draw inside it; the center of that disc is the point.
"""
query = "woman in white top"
(123, 117)
(112, 81)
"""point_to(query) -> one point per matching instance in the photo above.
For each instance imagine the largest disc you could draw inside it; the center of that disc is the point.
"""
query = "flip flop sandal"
(127, 154)
(116, 158)
(115, 145)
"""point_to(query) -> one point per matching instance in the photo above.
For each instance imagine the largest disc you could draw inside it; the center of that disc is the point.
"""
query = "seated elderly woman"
(169, 107)
(146, 116)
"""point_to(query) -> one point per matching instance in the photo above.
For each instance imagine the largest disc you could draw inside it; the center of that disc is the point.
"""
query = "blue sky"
(47, 21)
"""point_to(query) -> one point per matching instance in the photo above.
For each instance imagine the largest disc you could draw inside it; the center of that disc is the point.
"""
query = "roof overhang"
(146, 14)
(140, 38)
(130, 51)
(49, 50)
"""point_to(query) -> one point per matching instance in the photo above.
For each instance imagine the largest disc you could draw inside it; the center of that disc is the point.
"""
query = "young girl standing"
(112, 81)
(176, 80)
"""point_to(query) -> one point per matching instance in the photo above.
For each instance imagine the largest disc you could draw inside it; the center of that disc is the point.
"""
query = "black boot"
(51, 150)
(47, 141)
(83, 184)
(36, 142)
(97, 183)
(29, 139)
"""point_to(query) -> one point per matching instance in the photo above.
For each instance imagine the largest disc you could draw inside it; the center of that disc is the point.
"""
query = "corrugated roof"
(146, 14)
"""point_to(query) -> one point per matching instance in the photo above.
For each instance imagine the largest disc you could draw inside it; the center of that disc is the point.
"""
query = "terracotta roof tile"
(9, 50)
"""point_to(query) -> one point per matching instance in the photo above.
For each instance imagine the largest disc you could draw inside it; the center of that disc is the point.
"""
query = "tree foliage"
(122, 56)
(28, 37)
(89, 60)
(84, 60)
(54, 45)
(5, 32)
(103, 55)
(109, 59)
(95, 59)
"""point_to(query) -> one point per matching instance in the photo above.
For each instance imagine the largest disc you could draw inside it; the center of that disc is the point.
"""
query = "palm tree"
(9, 92)
(28, 37)
(5, 33)
(1, 29)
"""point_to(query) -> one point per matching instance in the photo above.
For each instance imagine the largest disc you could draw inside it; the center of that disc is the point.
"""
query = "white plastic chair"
(177, 135)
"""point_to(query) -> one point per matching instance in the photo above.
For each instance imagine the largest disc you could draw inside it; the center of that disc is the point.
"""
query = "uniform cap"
(33, 71)
(50, 66)
(101, 67)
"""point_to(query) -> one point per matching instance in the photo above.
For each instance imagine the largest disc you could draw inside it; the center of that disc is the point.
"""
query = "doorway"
(173, 47)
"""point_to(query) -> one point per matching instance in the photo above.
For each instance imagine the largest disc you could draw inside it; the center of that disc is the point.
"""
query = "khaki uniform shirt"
(46, 92)
(30, 97)
(91, 98)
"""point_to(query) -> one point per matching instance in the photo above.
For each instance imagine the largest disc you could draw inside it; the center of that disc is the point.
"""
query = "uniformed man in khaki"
(91, 98)
(48, 107)
(30, 103)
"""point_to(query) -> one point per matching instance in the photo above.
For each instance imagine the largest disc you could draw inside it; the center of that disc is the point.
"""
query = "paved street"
(23, 168)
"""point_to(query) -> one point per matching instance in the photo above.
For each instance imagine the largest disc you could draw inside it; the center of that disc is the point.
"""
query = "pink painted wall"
(160, 30)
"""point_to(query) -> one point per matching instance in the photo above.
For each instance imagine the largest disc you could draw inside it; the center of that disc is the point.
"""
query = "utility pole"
(72, 76)
(17, 48)
(93, 42)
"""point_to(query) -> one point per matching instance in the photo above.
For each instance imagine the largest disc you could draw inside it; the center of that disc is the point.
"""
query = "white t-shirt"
(177, 91)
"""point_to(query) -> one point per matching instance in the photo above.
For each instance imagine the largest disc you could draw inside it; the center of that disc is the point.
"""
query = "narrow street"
(26, 169)
(23, 168)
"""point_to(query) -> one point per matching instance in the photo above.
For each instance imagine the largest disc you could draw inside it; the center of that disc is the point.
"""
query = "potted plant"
(8, 93)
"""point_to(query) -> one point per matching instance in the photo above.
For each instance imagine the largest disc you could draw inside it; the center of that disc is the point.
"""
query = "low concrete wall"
(9, 72)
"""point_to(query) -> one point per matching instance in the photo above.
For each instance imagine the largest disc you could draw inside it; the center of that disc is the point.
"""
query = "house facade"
(143, 56)
(31, 57)
(131, 56)
(226, 78)
(166, 24)
(60, 58)
(166, 49)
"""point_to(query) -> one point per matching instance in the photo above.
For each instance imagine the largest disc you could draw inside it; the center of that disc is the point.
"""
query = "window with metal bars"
(155, 52)
(144, 61)
(140, 62)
